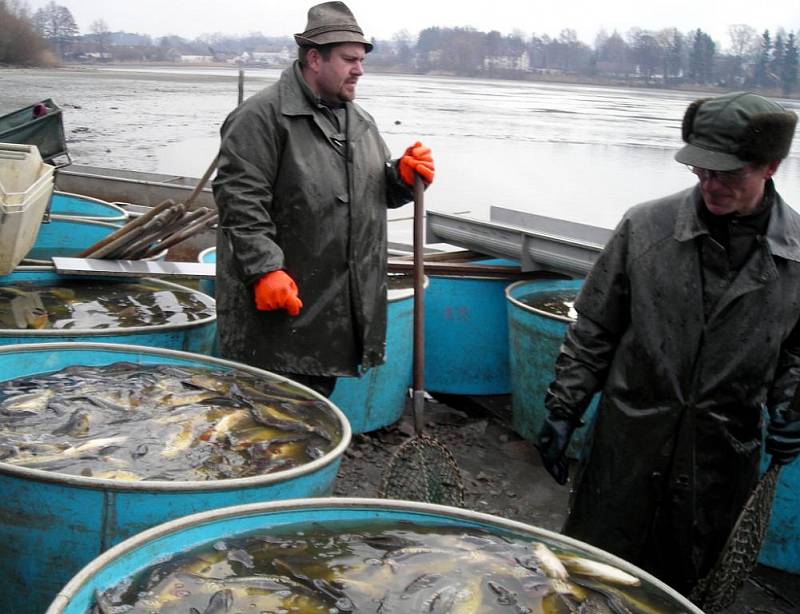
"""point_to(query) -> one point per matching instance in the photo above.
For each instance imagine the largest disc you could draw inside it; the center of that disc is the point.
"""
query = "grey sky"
(382, 18)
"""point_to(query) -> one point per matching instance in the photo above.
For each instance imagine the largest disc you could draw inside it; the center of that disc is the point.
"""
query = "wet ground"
(503, 476)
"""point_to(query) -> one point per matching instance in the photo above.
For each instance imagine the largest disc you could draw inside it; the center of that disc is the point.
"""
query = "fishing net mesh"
(718, 589)
(423, 469)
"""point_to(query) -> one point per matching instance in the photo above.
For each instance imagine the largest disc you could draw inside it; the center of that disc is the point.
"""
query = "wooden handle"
(419, 285)
(127, 228)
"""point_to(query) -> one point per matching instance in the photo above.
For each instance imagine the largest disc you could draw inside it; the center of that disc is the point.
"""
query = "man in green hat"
(303, 184)
(688, 326)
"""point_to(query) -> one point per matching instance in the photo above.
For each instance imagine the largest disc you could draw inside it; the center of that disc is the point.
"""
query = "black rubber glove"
(783, 440)
(552, 442)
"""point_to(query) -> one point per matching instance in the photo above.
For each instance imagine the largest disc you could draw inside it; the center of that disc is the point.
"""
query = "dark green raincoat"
(295, 193)
(677, 439)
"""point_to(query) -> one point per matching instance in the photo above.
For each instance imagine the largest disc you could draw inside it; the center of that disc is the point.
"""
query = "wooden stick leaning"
(170, 223)
(188, 218)
(155, 242)
(201, 184)
(127, 228)
(152, 224)
(206, 221)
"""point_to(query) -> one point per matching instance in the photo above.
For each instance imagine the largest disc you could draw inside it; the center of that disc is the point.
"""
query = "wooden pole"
(241, 85)
(139, 221)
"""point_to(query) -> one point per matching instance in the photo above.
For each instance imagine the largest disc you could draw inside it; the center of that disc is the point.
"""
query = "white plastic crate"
(26, 185)
(21, 172)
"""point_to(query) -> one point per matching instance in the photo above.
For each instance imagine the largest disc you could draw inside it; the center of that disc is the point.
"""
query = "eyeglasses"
(727, 178)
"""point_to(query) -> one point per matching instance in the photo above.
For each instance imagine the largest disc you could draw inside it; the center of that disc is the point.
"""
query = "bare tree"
(404, 43)
(56, 23)
(101, 34)
(19, 42)
(743, 39)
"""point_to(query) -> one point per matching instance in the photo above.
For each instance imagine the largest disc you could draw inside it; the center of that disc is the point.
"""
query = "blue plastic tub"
(208, 256)
(74, 207)
(535, 338)
(781, 547)
(466, 333)
(197, 336)
(53, 524)
(170, 538)
(378, 398)
(66, 237)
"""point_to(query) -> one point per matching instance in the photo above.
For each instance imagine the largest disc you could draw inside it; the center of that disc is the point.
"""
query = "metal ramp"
(537, 242)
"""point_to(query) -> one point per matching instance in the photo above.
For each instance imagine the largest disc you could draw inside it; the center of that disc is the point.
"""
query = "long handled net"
(422, 468)
(718, 589)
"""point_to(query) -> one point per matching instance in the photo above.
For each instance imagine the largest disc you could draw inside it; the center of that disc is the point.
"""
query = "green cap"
(725, 133)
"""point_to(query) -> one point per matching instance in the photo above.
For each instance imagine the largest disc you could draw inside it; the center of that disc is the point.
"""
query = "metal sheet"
(550, 225)
(554, 249)
(133, 268)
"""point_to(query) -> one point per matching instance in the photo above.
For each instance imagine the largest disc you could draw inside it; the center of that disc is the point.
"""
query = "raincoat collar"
(297, 98)
(783, 230)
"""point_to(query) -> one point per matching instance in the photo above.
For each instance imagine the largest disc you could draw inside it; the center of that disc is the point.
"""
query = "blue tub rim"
(108, 332)
(201, 257)
(511, 289)
(77, 220)
(121, 216)
(172, 486)
(64, 596)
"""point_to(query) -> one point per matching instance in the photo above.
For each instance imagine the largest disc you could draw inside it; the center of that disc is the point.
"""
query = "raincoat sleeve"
(603, 307)
(787, 376)
(397, 192)
(243, 189)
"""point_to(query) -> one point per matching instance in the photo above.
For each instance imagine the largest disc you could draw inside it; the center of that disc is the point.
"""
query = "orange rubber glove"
(276, 290)
(416, 159)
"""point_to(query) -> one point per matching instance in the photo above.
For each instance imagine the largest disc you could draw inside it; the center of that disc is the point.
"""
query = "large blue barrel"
(53, 524)
(160, 542)
(378, 398)
(197, 336)
(781, 547)
(534, 338)
(64, 205)
(466, 333)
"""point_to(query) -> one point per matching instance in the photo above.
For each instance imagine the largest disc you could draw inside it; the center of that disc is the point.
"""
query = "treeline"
(667, 57)
(20, 44)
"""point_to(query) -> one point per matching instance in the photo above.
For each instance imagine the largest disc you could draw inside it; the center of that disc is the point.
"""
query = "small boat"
(130, 189)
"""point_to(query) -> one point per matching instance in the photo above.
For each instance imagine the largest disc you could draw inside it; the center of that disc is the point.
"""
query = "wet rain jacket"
(295, 193)
(677, 438)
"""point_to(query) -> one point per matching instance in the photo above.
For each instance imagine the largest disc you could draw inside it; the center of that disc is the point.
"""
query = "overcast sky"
(382, 18)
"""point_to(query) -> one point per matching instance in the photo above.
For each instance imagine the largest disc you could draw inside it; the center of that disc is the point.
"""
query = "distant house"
(196, 59)
(98, 56)
(508, 62)
(264, 58)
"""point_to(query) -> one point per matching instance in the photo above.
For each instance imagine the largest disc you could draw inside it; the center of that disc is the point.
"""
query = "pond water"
(577, 152)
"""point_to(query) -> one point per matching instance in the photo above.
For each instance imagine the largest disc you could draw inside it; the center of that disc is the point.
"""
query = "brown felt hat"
(725, 133)
(329, 23)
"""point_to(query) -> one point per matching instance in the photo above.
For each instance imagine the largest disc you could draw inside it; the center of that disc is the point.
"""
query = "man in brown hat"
(688, 325)
(303, 183)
